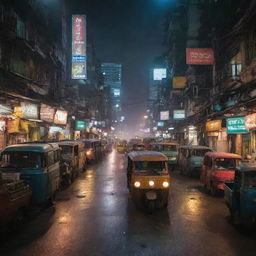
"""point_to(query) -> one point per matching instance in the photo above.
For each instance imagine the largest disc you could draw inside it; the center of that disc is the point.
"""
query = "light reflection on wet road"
(96, 216)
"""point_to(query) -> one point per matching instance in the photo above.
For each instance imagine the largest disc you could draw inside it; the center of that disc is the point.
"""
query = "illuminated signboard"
(213, 126)
(199, 56)
(236, 125)
(179, 114)
(80, 125)
(179, 82)
(47, 113)
(159, 74)
(60, 117)
(160, 124)
(79, 68)
(29, 110)
(164, 115)
(116, 92)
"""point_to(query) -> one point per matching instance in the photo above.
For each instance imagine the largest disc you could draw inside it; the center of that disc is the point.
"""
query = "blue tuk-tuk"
(36, 163)
(240, 196)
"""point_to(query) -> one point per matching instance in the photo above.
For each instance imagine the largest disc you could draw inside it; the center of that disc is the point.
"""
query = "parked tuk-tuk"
(36, 163)
(170, 149)
(138, 147)
(148, 179)
(218, 168)
(190, 159)
(93, 149)
(72, 153)
(14, 200)
(240, 196)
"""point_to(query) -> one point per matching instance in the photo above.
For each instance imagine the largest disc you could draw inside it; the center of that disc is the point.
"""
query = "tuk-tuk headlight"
(151, 183)
(88, 152)
(165, 184)
(137, 184)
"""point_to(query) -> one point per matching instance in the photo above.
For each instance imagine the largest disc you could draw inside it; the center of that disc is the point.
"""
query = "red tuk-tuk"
(218, 169)
(14, 200)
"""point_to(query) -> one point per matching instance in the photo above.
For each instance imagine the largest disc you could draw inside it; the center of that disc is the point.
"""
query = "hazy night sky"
(129, 32)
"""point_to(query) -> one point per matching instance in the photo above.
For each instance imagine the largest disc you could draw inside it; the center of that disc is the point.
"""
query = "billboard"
(79, 68)
(159, 74)
(179, 114)
(236, 125)
(199, 56)
(164, 115)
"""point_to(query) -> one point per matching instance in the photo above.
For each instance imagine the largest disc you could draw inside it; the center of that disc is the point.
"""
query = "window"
(149, 165)
(236, 69)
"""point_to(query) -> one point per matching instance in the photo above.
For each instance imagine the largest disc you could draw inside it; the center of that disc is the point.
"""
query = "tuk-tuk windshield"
(199, 152)
(88, 145)
(66, 150)
(250, 179)
(21, 159)
(169, 148)
(149, 165)
(226, 163)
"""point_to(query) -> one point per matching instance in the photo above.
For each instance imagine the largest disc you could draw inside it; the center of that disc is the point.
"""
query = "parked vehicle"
(148, 179)
(190, 159)
(14, 200)
(218, 168)
(240, 196)
(93, 149)
(121, 148)
(138, 147)
(36, 163)
(170, 149)
(73, 154)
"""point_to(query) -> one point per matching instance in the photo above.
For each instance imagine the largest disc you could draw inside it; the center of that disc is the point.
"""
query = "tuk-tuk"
(218, 168)
(138, 147)
(190, 159)
(36, 163)
(148, 179)
(73, 153)
(240, 196)
(170, 149)
(93, 150)
(14, 200)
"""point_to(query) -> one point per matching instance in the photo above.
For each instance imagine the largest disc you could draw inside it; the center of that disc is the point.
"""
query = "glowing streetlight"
(145, 117)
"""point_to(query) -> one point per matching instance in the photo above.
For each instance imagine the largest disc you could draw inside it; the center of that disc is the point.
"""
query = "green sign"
(80, 125)
(236, 125)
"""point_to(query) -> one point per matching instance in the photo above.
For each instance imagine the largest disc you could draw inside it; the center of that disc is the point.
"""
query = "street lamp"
(145, 117)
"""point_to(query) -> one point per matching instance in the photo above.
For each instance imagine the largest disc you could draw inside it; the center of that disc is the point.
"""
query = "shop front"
(250, 124)
(191, 136)
(6, 111)
(237, 135)
(216, 136)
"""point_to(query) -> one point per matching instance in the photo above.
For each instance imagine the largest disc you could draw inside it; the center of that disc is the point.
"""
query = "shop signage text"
(80, 125)
(47, 113)
(5, 109)
(179, 114)
(60, 117)
(236, 125)
(164, 115)
(213, 126)
(250, 121)
(199, 56)
(29, 110)
(179, 82)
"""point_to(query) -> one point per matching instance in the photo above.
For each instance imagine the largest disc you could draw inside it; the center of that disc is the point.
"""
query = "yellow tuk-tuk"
(148, 179)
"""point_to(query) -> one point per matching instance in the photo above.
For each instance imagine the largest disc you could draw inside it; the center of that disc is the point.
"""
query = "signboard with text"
(250, 121)
(236, 125)
(79, 68)
(60, 117)
(47, 113)
(179, 82)
(80, 125)
(179, 114)
(213, 126)
(164, 115)
(29, 110)
(199, 56)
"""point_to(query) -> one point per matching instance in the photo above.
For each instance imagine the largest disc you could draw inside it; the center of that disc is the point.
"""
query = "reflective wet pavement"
(95, 216)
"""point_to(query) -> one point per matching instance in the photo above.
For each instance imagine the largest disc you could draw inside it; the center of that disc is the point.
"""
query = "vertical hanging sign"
(79, 68)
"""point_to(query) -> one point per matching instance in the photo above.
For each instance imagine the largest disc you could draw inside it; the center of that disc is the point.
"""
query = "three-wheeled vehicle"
(190, 159)
(240, 196)
(14, 200)
(36, 163)
(170, 149)
(93, 150)
(148, 179)
(218, 168)
(73, 154)
(138, 147)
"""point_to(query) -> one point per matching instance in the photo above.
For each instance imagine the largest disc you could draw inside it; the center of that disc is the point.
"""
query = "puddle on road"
(81, 196)
(62, 199)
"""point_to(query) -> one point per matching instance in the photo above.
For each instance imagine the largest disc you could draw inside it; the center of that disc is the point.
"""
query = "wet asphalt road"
(95, 216)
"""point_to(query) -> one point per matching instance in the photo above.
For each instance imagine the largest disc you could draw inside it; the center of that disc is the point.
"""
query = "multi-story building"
(112, 73)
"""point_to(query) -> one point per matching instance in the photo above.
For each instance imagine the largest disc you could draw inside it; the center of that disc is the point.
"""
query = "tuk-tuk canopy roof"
(196, 147)
(215, 155)
(71, 143)
(33, 147)
(153, 156)
(165, 143)
(88, 140)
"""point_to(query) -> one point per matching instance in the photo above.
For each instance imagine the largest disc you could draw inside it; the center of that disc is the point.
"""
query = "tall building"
(112, 73)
